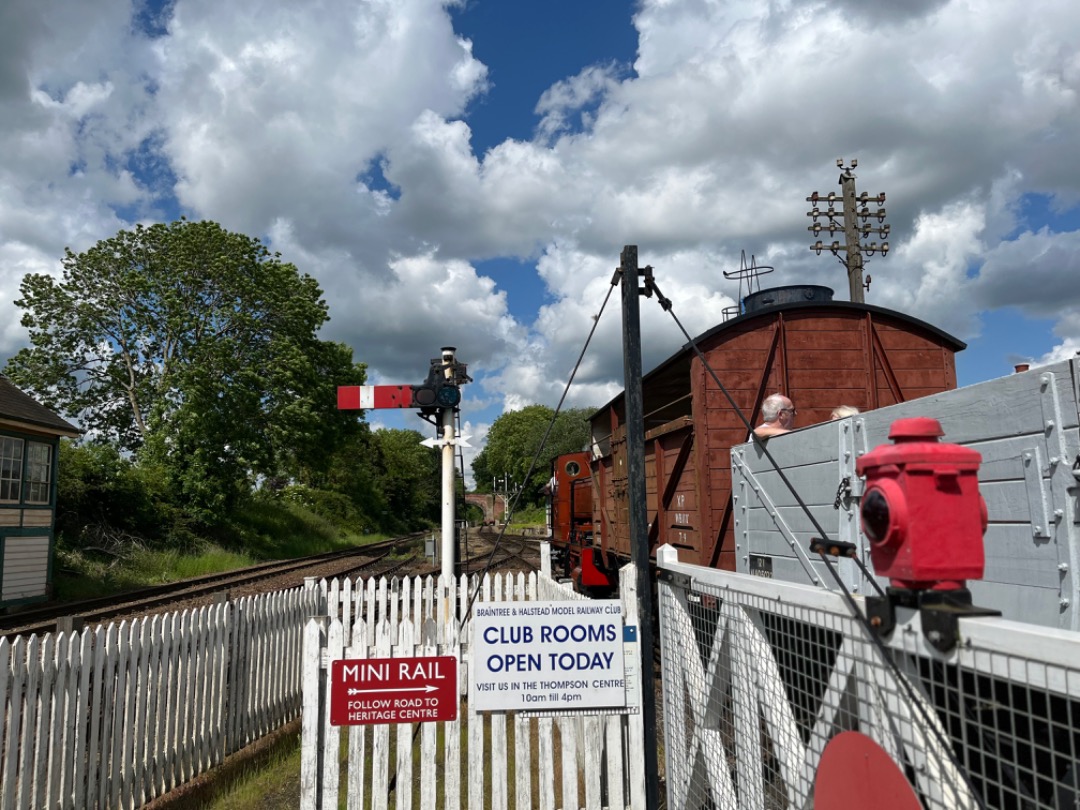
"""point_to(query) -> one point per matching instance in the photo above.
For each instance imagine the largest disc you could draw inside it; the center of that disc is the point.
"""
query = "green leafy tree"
(411, 478)
(191, 347)
(514, 441)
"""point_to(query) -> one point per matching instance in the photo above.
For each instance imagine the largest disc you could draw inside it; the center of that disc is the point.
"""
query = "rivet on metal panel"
(1049, 425)
(1044, 379)
(1064, 603)
(814, 580)
(1058, 514)
(1063, 567)
(1054, 461)
(1038, 530)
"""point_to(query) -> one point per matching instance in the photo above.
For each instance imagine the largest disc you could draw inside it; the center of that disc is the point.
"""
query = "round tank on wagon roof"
(792, 294)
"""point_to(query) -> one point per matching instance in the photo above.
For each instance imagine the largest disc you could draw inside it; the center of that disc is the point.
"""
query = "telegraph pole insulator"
(855, 207)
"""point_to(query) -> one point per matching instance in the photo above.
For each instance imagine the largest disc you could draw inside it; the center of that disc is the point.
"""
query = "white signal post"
(448, 538)
(427, 398)
(448, 443)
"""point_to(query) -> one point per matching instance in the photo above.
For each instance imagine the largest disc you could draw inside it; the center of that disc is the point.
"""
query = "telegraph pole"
(639, 519)
(854, 208)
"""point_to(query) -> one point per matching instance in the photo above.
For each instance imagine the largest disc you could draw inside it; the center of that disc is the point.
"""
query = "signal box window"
(11, 464)
(38, 472)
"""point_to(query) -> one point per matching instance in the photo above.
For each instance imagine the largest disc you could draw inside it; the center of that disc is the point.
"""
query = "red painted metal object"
(366, 397)
(370, 691)
(922, 510)
(857, 772)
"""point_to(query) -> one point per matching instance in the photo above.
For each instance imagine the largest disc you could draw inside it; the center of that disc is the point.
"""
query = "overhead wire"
(536, 456)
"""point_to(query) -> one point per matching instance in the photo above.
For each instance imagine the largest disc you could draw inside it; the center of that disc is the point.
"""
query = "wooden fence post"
(311, 722)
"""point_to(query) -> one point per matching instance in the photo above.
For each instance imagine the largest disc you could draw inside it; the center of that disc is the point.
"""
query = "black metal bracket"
(675, 579)
(939, 611)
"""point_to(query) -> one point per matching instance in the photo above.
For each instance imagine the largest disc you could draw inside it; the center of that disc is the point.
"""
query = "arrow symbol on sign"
(460, 441)
(428, 688)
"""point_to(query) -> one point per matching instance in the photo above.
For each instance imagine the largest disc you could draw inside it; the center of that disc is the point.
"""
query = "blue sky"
(466, 173)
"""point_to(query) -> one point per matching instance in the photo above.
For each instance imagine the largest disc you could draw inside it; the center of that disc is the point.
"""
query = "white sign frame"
(547, 656)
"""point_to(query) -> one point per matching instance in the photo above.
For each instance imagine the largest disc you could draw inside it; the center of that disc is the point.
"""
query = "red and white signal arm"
(368, 397)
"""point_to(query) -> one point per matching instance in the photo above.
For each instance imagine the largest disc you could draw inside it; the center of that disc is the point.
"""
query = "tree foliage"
(411, 477)
(514, 440)
(192, 348)
(393, 481)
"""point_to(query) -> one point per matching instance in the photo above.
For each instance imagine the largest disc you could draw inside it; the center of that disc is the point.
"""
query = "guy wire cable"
(539, 449)
(906, 685)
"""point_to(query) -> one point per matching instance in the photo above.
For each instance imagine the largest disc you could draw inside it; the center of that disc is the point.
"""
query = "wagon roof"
(18, 406)
(674, 373)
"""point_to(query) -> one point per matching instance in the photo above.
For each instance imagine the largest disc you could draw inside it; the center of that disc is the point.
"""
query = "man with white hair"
(778, 414)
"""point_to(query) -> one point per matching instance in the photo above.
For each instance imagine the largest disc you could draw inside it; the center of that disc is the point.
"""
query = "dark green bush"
(333, 506)
(100, 493)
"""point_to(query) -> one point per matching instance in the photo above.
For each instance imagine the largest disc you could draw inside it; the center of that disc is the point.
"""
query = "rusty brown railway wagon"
(795, 340)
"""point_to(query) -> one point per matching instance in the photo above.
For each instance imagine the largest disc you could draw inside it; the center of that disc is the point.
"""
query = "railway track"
(513, 551)
(200, 589)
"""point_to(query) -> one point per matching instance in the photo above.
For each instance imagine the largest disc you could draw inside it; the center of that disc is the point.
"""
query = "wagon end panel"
(671, 484)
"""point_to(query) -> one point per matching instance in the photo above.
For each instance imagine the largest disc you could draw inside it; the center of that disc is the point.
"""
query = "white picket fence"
(114, 716)
(598, 761)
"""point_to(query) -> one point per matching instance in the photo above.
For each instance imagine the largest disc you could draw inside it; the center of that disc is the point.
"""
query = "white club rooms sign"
(547, 656)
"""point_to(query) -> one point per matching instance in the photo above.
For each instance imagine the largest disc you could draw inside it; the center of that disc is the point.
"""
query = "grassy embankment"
(263, 530)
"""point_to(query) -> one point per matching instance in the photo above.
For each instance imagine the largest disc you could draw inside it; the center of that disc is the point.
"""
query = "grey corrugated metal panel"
(1032, 604)
(1000, 408)
(1026, 428)
(814, 483)
(1013, 559)
(816, 444)
(17, 405)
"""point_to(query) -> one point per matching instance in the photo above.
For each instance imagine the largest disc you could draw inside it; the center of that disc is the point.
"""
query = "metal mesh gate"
(759, 676)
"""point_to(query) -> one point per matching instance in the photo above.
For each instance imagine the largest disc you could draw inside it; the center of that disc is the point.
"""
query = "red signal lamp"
(921, 508)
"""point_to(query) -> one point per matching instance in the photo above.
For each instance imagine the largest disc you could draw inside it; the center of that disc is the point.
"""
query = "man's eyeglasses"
(792, 411)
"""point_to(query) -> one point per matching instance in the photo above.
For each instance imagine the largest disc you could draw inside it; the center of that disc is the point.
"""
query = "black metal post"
(634, 425)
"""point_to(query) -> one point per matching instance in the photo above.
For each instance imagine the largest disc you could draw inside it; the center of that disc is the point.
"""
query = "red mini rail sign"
(368, 691)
